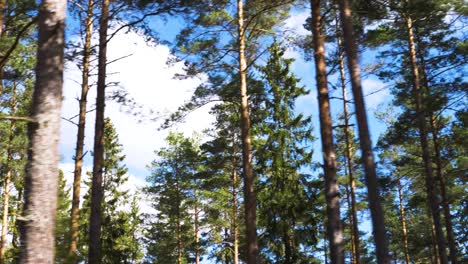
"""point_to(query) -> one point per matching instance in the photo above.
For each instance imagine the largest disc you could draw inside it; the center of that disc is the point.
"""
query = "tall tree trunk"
(7, 181)
(435, 252)
(334, 228)
(353, 248)
(443, 192)
(179, 227)
(249, 179)
(81, 135)
(2, 16)
(439, 167)
(235, 228)
(41, 183)
(378, 224)
(421, 116)
(197, 239)
(94, 254)
(403, 222)
(349, 155)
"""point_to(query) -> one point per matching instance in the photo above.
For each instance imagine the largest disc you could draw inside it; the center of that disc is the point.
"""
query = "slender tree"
(423, 136)
(79, 155)
(378, 224)
(334, 227)
(94, 254)
(42, 173)
(8, 176)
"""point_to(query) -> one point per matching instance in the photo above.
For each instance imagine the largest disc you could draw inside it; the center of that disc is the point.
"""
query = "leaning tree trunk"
(249, 179)
(7, 181)
(41, 183)
(334, 228)
(423, 134)
(374, 198)
(94, 254)
(74, 225)
(349, 157)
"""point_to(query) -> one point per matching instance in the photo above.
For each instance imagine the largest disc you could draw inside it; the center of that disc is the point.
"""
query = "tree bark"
(249, 178)
(349, 155)
(197, 239)
(3, 4)
(7, 183)
(334, 228)
(94, 254)
(80, 135)
(421, 116)
(403, 222)
(41, 183)
(235, 229)
(378, 224)
(443, 192)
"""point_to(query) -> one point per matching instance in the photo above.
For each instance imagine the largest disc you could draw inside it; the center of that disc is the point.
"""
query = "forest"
(221, 131)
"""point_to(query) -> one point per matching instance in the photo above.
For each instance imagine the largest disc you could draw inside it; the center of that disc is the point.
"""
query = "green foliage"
(121, 224)
(287, 213)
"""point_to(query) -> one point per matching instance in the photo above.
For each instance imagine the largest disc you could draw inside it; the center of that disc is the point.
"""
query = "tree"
(42, 174)
(96, 187)
(79, 155)
(62, 227)
(334, 228)
(169, 235)
(367, 155)
(285, 202)
(120, 213)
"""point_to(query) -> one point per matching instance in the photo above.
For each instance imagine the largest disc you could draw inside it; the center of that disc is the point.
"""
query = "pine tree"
(120, 213)
(62, 226)
(42, 174)
(170, 236)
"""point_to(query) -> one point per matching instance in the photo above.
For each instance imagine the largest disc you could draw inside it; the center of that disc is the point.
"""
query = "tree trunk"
(81, 135)
(249, 179)
(435, 252)
(197, 239)
(403, 222)
(41, 183)
(334, 228)
(94, 254)
(421, 116)
(3, 4)
(179, 228)
(7, 183)
(378, 224)
(443, 192)
(235, 229)
(349, 156)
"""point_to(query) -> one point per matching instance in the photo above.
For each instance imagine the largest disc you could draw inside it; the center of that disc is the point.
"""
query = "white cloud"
(148, 80)
(295, 23)
(376, 93)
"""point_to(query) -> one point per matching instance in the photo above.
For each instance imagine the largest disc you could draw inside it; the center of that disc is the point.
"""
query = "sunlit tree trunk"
(423, 134)
(334, 228)
(7, 180)
(41, 183)
(235, 228)
(378, 224)
(249, 179)
(81, 134)
(94, 254)
(403, 222)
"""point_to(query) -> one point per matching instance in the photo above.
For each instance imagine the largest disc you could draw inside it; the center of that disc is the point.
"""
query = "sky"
(143, 73)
